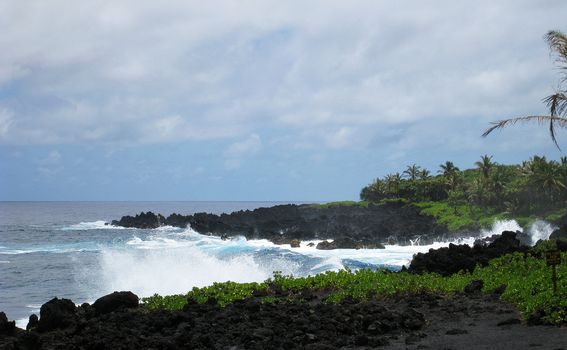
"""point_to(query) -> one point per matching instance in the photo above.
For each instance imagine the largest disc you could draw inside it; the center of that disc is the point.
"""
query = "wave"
(55, 249)
(171, 260)
(92, 225)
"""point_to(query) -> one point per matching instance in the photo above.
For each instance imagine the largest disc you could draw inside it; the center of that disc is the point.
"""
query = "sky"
(263, 100)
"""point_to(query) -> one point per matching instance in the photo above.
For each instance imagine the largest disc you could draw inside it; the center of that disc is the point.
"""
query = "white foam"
(57, 249)
(92, 225)
(22, 323)
(502, 225)
(540, 230)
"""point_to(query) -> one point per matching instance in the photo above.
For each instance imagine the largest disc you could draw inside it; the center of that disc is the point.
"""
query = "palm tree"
(413, 171)
(547, 177)
(485, 165)
(448, 169)
(451, 174)
(557, 102)
(424, 174)
(393, 183)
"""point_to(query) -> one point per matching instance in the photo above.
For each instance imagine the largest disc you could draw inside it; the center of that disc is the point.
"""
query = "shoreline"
(473, 320)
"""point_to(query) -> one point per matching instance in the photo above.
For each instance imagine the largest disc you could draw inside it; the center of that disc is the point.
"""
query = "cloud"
(241, 149)
(50, 165)
(6, 120)
(251, 145)
(139, 72)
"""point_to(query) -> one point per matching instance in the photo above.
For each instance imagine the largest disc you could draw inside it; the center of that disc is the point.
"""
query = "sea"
(67, 250)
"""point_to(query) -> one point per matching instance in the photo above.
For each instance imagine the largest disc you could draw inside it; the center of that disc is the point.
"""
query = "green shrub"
(528, 283)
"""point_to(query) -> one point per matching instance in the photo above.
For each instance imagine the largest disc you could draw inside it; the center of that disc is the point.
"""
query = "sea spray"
(540, 229)
(501, 225)
(171, 271)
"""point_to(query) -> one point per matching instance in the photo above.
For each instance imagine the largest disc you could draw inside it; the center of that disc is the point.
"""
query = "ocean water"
(65, 250)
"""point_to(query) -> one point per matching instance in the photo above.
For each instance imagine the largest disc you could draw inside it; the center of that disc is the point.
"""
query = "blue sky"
(262, 100)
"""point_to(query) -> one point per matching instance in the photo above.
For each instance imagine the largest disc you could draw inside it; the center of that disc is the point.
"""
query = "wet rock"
(295, 243)
(56, 314)
(116, 301)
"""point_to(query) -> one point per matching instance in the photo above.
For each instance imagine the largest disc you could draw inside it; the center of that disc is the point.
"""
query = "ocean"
(65, 250)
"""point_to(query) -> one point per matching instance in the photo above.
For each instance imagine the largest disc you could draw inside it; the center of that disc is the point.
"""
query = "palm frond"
(557, 103)
(551, 119)
(557, 41)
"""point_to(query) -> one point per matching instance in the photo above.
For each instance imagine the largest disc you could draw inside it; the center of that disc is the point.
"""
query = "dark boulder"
(560, 233)
(6, 327)
(449, 260)
(56, 314)
(116, 301)
(295, 243)
(33, 322)
(561, 244)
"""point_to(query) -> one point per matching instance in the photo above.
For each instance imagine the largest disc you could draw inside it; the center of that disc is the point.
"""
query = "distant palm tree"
(547, 177)
(393, 183)
(485, 165)
(412, 172)
(557, 102)
(451, 174)
(448, 169)
(424, 174)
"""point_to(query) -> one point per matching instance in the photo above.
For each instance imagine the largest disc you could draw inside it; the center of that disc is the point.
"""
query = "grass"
(460, 217)
(471, 217)
(528, 287)
(363, 204)
(456, 218)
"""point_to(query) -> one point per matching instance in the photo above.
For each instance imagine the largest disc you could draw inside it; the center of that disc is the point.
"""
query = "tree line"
(536, 185)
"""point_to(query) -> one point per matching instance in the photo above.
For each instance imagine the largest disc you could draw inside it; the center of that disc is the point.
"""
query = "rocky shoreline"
(349, 227)
(468, 320)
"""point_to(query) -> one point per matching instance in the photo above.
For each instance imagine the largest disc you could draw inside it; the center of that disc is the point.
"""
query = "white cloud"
(51, 164)
(326, 72)
(6, 120)
(241, 149)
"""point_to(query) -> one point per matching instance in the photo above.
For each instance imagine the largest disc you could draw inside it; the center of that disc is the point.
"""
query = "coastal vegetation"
(475, 197)
(524, 280)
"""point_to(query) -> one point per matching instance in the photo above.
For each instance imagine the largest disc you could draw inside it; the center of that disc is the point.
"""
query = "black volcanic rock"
(348, 243)
(6, 327)
(560, 233)
(116, 301)
(371, 225)
(142, 220)
(449, 260)
(56, 314)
